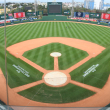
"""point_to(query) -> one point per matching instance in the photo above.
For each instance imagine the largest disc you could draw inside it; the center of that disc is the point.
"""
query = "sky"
(1, 1)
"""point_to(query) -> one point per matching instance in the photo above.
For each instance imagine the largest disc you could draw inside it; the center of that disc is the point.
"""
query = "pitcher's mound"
(55, 78)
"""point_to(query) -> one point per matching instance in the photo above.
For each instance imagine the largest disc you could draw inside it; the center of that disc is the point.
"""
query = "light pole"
(72, 11)
(6, 53)
(35, 6)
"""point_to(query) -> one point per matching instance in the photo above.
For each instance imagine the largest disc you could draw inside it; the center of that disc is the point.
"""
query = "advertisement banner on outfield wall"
(33, 13)
(10, 14)
(19, 15)
(79, 14)
(40, 12)
(66, 12)
(2, 17)
(105, 16)
(87, 16)
(30, 14)
(95, 15)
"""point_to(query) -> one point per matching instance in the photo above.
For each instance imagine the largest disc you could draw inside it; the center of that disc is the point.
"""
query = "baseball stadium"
(55, 62)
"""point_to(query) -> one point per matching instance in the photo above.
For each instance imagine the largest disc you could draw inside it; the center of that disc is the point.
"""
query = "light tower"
(72, 11)
(5, 39)
(35, 6)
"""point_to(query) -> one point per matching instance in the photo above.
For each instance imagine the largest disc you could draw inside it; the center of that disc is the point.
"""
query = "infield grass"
(92, 33)
(69, 57)
(97, 78)
(17, 77)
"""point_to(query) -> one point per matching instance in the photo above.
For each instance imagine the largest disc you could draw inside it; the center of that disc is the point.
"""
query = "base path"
(100, 99)
(91, 48)
(94, 89)
(56, 67)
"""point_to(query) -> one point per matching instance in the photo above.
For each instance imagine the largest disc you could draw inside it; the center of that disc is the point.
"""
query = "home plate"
(55, 78)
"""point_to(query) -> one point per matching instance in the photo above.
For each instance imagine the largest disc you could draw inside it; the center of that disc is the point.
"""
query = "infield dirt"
(100, 99)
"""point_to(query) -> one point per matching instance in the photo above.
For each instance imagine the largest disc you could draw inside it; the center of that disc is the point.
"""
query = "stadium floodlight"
(5, 52)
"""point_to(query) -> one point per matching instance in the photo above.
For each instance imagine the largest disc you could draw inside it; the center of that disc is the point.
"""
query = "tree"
(14, 6)
(12, 12)
(24, 10)
(108, 9)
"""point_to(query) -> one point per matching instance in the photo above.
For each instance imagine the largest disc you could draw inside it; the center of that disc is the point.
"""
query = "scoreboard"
(54, 8)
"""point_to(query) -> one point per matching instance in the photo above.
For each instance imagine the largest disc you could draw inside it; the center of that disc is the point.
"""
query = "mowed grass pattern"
(16, 78)
(69, 57)
(97, 78)
(66, 94)
(95, 34)
(28, 31)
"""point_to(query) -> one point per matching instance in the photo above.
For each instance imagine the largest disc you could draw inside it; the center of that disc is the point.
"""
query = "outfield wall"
(54, 18)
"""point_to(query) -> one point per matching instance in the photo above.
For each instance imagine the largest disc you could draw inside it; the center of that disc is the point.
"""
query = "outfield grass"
(41, 56)
(28, 31)
(66, 94)
(92, 33)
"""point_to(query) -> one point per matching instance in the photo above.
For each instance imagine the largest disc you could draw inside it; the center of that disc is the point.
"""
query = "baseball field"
(85, 60)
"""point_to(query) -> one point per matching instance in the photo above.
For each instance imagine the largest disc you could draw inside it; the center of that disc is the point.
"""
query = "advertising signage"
(40, 12)
(31, 13)
(87, 16)
(79, 14)
(105, 16)
(2, 17)
(19, 15)
(66, 12)
(10, 14)
(95, 15)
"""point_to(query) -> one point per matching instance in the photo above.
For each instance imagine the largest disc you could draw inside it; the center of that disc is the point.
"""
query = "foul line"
(33, 64)
(27, 86)
(78, 64)
(91, 88)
